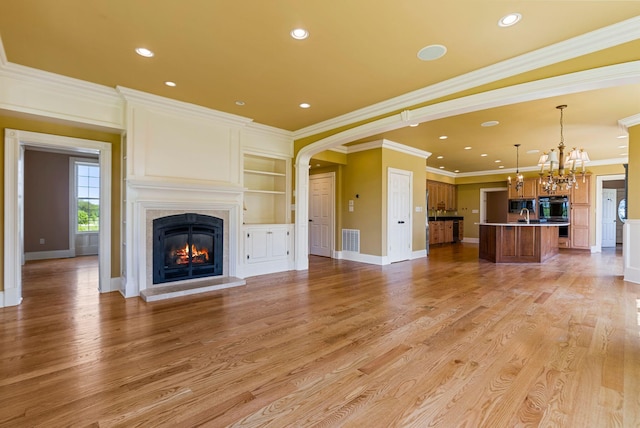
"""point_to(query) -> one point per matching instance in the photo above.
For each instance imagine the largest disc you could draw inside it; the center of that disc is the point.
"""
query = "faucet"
(525, 210)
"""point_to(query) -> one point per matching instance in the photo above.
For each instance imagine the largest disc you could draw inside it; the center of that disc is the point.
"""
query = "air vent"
(351, 240)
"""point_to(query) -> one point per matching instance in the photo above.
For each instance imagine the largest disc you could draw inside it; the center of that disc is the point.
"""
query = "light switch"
(350, 208)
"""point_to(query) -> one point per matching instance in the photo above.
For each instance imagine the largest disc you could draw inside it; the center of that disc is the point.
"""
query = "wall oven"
(554, 208)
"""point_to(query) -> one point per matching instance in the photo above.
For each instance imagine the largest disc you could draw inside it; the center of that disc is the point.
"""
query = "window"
(87, 178)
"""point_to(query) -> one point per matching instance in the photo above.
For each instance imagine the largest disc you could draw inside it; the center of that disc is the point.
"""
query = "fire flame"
(198, 255)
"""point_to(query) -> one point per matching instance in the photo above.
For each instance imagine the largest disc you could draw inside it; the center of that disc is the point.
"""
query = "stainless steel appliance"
(517, 205)
(554, 208)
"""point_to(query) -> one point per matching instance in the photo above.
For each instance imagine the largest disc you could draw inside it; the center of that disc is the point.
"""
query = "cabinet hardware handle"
(401, 222)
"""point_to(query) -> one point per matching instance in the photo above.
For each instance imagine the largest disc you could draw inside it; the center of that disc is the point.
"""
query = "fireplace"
(187, 246)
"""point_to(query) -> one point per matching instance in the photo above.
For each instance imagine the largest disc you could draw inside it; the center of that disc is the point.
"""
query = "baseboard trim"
(45, 255)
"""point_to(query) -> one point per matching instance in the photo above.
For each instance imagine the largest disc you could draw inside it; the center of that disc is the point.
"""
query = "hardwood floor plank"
(442, 341)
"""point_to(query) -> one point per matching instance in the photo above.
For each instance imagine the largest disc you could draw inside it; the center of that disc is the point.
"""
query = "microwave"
(517, 205)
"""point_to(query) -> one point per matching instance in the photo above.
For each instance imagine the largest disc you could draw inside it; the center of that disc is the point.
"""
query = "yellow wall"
(633, 201)
(468, 201)
(70, 131)
(363, 185)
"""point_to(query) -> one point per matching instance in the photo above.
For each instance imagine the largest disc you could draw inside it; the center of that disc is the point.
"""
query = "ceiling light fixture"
(440, 157)
(299, 33)
(468, 148)
(443, 137)
(240, 103)
(413, 125)
(144, 52)
(519, 182)
(432, 52)
(509, 20)
(489, 123)
(305, 105)
(170, 83)
(484, 155)
(556, 179)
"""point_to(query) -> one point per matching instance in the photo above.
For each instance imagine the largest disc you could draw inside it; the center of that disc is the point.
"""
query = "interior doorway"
(322, 214)
(16, 143)
(487, 200)
(616, 181)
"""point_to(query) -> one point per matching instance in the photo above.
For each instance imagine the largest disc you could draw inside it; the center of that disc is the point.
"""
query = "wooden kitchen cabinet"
(529, 190)
(442, 196)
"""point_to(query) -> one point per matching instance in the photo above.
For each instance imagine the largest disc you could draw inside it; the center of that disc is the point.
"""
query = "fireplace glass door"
(187, 246)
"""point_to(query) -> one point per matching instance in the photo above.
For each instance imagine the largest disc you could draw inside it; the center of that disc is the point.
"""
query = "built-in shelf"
(266, 183)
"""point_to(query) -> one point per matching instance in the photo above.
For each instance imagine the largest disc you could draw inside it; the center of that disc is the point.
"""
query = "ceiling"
(358, 54)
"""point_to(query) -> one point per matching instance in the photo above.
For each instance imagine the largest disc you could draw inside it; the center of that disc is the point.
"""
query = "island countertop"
(518, 242)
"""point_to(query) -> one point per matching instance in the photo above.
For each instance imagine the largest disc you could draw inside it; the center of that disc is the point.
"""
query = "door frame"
(600, 179)
(15, 143)
(408, 174)
(332, 209)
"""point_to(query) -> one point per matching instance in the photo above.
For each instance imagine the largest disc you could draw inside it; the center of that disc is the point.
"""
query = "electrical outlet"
(41, 241)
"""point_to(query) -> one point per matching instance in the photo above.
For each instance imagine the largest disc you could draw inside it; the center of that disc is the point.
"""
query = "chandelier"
(554, 164)
(519, 181)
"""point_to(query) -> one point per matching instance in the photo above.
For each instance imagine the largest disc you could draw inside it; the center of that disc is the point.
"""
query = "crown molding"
(603, 162)
(603, 38)
(270, 130)
(630, 121)
(3, 55)
(340, 149)
(168, 105)
(388, 144)
(442, 172)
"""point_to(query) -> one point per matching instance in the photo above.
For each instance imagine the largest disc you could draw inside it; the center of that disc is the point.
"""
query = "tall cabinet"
(580, 213)
(267, 228)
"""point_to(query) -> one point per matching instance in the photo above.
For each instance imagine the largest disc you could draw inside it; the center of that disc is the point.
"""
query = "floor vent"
(351, 240)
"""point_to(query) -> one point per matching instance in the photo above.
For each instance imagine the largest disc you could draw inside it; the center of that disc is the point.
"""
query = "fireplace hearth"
(187, 246)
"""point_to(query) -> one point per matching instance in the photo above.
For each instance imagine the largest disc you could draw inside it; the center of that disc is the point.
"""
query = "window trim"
(73, 198)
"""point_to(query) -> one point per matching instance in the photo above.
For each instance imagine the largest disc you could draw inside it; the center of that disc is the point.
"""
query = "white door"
(399, 215)
(321, 210)
(608, 218)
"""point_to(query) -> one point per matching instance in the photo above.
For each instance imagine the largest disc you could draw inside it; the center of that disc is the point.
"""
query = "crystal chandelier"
(554, 178)
(519, 181)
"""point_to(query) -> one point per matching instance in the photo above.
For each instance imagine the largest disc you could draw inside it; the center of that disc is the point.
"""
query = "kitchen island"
(518, 242)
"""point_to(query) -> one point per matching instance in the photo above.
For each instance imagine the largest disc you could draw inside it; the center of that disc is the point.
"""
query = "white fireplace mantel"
(146, 195)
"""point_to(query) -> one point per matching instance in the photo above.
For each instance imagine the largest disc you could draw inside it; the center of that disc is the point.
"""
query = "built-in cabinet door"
(257, 244)
(264, 244)
(580, 226)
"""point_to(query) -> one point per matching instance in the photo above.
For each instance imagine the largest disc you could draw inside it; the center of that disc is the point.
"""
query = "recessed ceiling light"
(305, 105)
(442, 167)
(440, 157)
(509, 20)
(484, 155)
(413, 125)
(299, 33)
(170, 83)
(501, 166)
(468, 148)
(490, 123)
(443, 137)
(497, 161)
(457, 170)
(622, 136)
(144, 52)
(239, 103)
(432, 52)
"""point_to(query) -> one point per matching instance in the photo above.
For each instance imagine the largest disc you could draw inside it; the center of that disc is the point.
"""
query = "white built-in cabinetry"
(267, 227)
(266, 182)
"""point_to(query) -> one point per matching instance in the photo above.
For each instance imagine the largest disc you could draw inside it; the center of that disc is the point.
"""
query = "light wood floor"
(448, 341)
